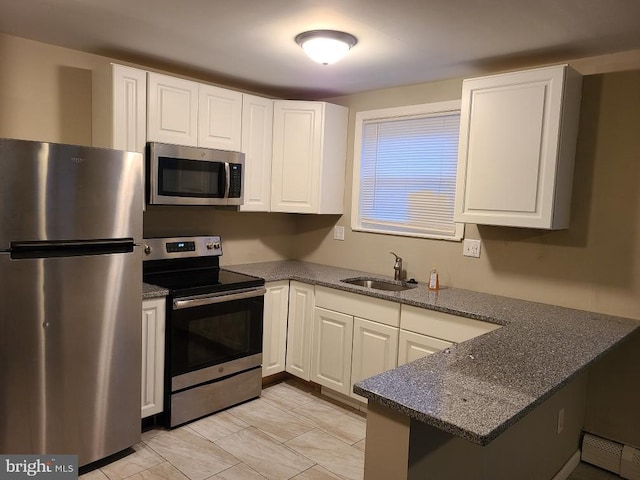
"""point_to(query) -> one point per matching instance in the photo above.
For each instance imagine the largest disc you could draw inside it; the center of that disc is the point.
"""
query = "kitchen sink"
(378, 284)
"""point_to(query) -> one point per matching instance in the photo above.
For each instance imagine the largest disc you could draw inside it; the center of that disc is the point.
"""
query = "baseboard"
(275, 378)
(344, 399)
(568, 467)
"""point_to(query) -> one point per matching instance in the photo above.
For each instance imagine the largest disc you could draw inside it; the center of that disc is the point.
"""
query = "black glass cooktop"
(201, 281)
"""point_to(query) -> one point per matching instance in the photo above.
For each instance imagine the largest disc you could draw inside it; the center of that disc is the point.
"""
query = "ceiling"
(250, 43)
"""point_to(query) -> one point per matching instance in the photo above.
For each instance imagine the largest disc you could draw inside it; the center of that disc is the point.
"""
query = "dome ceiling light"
(325, 46)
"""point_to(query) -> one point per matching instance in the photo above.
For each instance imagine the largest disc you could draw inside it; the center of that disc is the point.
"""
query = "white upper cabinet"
(119, 108)
(517, 145)
(195, 114)
(257, 145)
(309, 153)
(219, 118)
(172, 110)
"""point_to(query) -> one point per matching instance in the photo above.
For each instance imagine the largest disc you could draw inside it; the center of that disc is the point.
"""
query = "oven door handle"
(200, 300)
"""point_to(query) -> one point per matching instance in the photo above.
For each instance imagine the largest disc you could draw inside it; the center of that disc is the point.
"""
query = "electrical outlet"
(471, 248)
(560, 421)
(338, 233)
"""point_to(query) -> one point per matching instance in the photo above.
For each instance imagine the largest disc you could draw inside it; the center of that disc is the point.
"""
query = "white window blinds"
(407, 175)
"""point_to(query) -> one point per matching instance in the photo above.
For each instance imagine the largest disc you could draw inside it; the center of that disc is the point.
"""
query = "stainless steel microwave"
(181, 175)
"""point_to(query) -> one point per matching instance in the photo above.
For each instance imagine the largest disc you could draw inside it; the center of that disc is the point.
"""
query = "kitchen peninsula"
(486, 398)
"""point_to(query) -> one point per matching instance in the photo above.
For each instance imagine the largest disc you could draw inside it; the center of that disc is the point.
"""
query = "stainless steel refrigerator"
(70, 299)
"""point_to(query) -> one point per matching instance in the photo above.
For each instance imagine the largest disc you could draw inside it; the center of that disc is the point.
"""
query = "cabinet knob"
(147, 249)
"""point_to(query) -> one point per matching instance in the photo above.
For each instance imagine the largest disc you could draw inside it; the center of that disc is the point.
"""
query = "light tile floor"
(289, 432)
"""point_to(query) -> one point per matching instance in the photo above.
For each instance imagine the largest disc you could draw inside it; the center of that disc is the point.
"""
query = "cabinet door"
(297, 134)
(257, 145)
(274, 340)
(219, 118)
(331, 350)
(153, 325)
(299, 331)
(413, 346)
(129, 108)
(514, 167)
(172, 115)
(375, 350)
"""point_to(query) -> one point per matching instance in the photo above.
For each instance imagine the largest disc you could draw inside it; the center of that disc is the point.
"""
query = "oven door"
(213, 336)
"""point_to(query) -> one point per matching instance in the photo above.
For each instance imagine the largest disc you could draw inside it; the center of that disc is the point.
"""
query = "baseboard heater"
(623, 460)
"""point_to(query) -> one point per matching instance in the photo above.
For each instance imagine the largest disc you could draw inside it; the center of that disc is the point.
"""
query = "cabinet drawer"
(442, 325)
(382, 311)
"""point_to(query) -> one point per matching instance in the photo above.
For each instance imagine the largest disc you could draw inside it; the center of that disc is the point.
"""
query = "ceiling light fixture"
(325, 46)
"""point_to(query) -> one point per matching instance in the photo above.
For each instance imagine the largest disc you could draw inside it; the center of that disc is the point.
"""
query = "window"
(404, 171)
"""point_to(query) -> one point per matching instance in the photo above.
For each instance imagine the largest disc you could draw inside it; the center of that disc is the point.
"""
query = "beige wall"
(45, 92)
(246, 237)
(45, 95)
(594, 265)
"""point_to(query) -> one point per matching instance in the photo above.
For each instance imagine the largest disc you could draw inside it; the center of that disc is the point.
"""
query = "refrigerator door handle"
(70, 248)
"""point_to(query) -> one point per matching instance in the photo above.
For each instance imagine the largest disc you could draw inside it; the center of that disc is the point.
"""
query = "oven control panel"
(176, 247)
(182, 247)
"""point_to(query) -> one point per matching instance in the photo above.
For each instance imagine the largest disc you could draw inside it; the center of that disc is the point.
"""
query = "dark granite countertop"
(153, 291)
(479, 388)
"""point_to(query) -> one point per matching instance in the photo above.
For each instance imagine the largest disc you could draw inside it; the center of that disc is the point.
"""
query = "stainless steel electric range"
(214, 327)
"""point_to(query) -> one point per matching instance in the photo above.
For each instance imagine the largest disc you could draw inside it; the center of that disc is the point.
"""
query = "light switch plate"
(471, 248)
(338, 233)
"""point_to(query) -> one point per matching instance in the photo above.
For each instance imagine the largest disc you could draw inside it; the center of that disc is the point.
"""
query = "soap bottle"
(434, 281)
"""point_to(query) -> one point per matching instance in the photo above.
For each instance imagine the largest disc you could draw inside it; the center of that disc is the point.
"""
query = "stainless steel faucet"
(397, 268)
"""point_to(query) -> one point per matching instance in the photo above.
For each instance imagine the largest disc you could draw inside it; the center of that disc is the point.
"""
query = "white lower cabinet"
(153, 327)
(299, 331)
(372, 339)
(375, 349)
(441, 325)
(274, 333)
(413, 346)
(337, 338)
(331, 350)
(423, 332)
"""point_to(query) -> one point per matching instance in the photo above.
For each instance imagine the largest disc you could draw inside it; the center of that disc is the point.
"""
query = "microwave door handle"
(227, 176)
